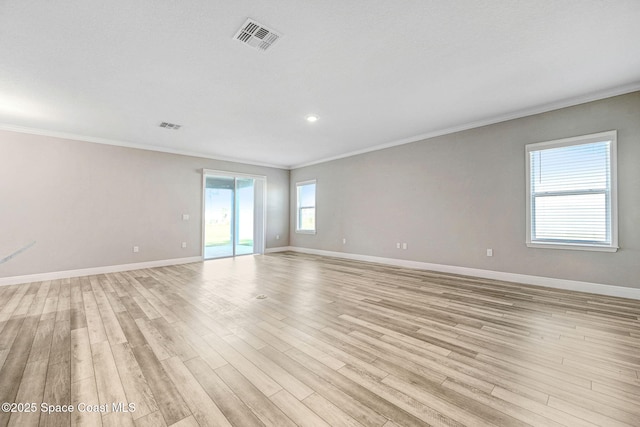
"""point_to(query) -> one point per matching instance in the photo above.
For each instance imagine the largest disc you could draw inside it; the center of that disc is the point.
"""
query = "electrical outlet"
(489, 252)
(404, 246)
(397, 245)
(185, 217)
(184, 244)
(277, 237)
(344, 241)
(136, 249)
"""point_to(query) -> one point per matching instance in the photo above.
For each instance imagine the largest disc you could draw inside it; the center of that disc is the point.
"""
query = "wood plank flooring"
(334, 343)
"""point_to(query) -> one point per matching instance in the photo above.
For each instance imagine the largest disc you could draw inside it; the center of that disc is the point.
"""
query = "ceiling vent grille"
(256, 35)
(172, 126)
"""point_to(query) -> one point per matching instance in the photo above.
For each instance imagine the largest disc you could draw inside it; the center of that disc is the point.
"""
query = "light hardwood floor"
(334, 342)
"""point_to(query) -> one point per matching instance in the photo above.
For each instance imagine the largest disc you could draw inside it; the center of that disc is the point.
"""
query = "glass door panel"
(234, 215)
(219, 221)
(244, 215)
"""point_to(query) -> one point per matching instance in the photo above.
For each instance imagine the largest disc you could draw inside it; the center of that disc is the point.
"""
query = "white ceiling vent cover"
(256, 35)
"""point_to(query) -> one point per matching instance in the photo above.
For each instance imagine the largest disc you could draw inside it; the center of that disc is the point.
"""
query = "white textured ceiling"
(376, 72)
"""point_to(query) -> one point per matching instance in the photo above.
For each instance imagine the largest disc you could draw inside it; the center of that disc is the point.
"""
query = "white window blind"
(571, 192)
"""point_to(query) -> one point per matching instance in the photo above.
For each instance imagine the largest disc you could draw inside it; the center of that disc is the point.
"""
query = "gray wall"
(452, 197)
(86, 205)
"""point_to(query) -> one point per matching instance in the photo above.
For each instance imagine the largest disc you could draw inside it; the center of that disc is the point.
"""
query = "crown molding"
(127, 144)
(569, 102)
(545, 108)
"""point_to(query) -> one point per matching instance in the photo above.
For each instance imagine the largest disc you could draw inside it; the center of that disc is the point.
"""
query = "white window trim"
(578, 140)
(314, 231)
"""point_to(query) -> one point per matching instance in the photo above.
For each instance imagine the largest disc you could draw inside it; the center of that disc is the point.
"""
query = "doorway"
(233, 214)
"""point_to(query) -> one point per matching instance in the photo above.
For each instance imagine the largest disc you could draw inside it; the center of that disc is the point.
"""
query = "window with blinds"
(571, 193)
(306, 207)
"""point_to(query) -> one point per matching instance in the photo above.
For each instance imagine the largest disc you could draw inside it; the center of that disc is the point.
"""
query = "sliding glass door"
(244, 216)
(233, 215)
(219, 200)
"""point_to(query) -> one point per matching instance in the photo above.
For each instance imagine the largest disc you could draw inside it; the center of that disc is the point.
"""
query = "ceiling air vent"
(256, 35)
(167, 125)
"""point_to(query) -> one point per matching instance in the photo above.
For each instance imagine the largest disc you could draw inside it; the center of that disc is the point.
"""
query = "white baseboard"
(14, 280)
(571, 285)
(279, 249)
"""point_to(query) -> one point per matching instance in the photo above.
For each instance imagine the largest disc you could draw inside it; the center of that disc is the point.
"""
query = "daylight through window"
(571, 186)
(306, 207)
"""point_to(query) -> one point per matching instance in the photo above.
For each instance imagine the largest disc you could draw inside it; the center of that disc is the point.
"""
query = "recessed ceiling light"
(312, 118)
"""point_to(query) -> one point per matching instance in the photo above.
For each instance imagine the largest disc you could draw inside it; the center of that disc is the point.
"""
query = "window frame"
(299, 208)
(612, 137)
